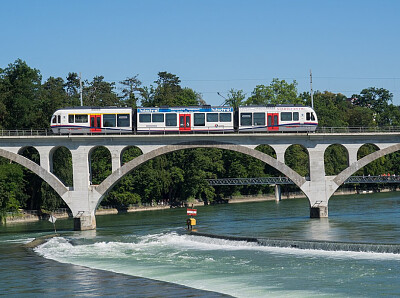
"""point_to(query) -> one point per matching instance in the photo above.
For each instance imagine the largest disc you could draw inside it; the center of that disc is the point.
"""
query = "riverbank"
(33, 216)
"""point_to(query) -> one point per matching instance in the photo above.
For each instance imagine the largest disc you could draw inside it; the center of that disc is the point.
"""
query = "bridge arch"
(296, 164)
(61, 155)
(111, 180)
(129, 153)
(30, 151)
(50, 178)
(339, 179)
(96, 177)
(336, 159)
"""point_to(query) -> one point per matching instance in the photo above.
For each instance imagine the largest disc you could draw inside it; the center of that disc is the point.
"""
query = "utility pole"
(223, 98)
(312, 99)
(80, 87)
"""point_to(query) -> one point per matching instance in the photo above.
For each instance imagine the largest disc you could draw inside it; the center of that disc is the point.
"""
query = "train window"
(59, 119)
(170, 119)
(123, 120)
(286, 116)
(296, 116)
(259, 119)
(144, 118)
(212, 117)
(109, 120)
(246, 119)
(225, 117)
(71, 118)
(81, 118)
(199, 119)
(312, 117)
(54, 119)
(157, 117)
(308, 116)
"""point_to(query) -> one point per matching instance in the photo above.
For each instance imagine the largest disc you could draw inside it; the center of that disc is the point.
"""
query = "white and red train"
(271, 118)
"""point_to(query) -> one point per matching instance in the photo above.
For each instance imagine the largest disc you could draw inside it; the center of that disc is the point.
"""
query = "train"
(206, 118)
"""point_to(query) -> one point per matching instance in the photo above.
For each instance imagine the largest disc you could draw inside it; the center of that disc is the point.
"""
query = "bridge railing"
(25, 132)
(376, 129)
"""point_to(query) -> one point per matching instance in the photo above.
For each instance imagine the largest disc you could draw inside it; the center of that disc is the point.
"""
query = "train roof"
(204, 108)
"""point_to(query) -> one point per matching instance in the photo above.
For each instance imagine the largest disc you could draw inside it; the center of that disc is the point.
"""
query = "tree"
(168, 92)
(336, 159)
(331, 109)
(278, 92)
(11, 186)
(167, 89)
(100, 93)
(53, 97)
(20, 88)
(188, 97)
(72, 89)
(235, 98)
(375, 98)
(129, 87)
(360, 117)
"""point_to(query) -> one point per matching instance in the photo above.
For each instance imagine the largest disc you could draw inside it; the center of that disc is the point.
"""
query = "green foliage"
(20, 88)
(49, 199)
(169, 92)
(100, 160)
(296, 157)
(330, 109)
(235, 98)
(374, 168)
(99, 93)
(11, 193)
(62, 165)
(129, 87)
(336, 159)
(278, 92)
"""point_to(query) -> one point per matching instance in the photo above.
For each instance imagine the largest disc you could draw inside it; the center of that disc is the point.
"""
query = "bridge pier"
(278, 193)
(85, 222)
(319, 212)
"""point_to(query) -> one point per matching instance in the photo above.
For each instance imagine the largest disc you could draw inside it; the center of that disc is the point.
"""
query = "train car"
(276, 118)
(83, 120)
(185, 119)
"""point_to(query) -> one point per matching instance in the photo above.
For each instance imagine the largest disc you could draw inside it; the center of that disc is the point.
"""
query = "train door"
(184, 122)
(273, 121)
(95, 123)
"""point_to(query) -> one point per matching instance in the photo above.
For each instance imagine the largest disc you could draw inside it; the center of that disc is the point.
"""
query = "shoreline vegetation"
(24, 217)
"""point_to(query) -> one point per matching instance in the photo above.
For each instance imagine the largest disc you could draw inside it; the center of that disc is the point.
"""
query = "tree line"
(27, 102)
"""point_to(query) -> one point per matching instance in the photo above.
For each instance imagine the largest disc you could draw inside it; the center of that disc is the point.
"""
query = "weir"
(315, 245)
(83, 197)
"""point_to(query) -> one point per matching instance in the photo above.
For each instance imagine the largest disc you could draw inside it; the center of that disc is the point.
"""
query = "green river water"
(149, 254)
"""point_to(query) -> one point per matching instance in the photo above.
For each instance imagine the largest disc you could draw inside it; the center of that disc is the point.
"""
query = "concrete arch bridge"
(83, 198)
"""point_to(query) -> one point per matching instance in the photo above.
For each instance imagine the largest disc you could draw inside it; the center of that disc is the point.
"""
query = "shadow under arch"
(96, 155)
(31, 153)
(48, 177)
(111, 180)
(336, 159)
(61, 155)
(129, 153)
(297, 158)
(341, 178)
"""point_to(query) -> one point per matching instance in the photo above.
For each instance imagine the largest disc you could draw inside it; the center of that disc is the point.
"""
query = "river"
(149, 254)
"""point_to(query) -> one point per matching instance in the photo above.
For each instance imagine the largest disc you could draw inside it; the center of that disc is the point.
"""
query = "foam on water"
(220, 265)
(19, 240)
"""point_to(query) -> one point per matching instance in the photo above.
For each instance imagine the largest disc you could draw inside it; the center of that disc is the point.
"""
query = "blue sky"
(212, 46)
